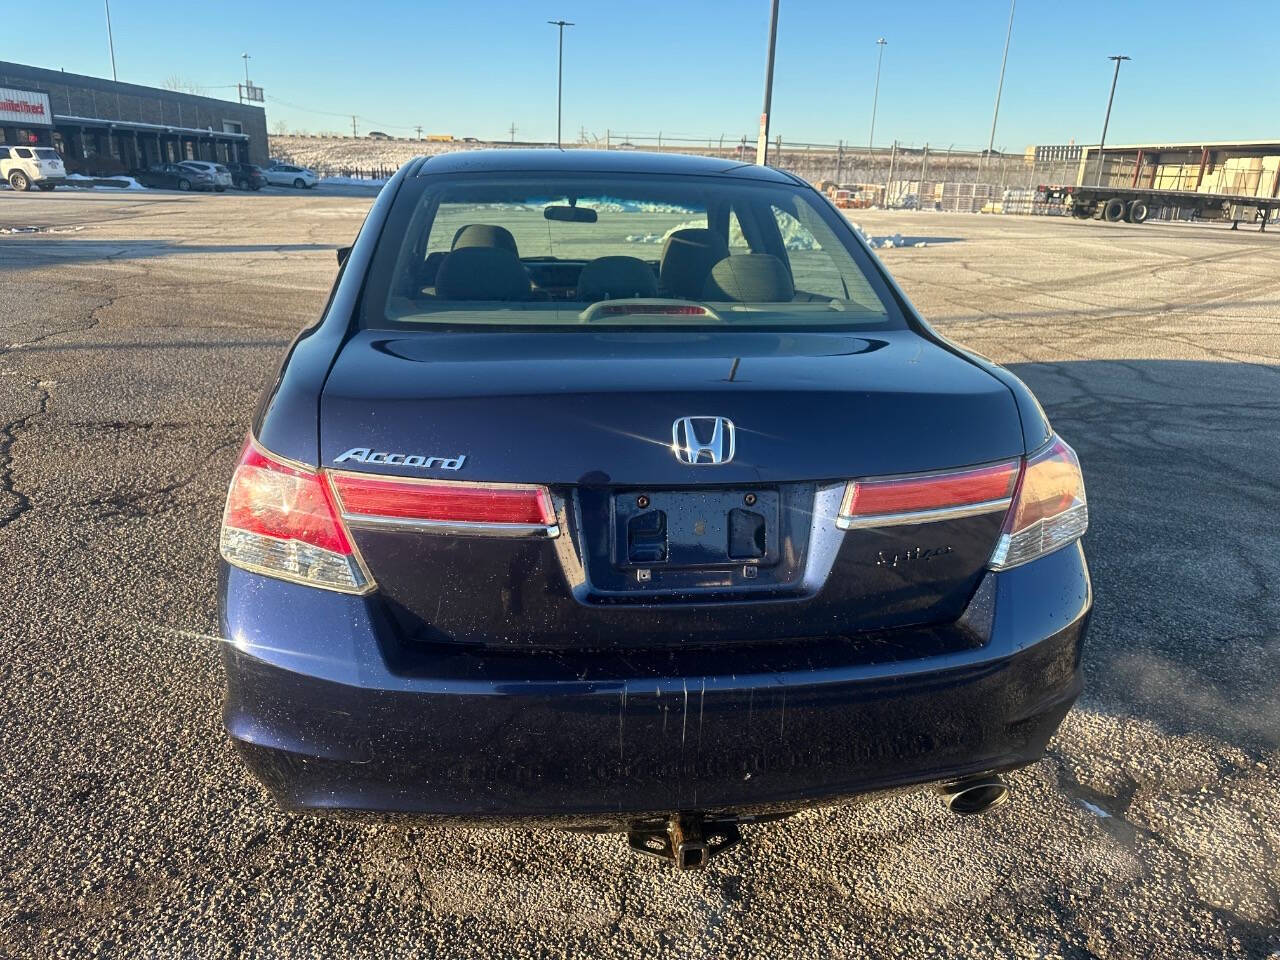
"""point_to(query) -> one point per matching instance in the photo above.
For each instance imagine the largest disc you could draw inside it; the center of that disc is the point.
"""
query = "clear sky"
(694, 68)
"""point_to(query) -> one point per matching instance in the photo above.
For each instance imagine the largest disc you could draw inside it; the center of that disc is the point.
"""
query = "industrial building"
(103, 126)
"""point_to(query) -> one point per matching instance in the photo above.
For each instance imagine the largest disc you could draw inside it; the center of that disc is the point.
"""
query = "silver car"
(220, 174)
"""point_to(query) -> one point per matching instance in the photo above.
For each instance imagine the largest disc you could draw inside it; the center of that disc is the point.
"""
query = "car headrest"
(687, 258)
(482, 273)
(614, 278)
(750, 278)
(484, 235)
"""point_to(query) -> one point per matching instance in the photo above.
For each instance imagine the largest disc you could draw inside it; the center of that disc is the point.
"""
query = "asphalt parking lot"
(135, 333)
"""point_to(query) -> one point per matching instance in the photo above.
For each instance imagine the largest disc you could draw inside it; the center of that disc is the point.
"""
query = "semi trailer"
(1136, 204)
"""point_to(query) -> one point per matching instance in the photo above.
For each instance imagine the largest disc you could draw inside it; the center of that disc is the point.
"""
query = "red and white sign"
(25, 108)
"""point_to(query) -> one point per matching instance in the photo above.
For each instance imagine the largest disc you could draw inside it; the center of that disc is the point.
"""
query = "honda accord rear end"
(629, 492)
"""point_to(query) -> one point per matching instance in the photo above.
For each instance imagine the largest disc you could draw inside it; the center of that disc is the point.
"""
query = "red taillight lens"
(469, 507)
(925, 497)
(1049, 509)
(281, 521)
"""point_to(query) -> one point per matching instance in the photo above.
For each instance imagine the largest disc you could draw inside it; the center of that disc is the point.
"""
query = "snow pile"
(80, 181)
(644, 238)
(352, 182)
(19, 229)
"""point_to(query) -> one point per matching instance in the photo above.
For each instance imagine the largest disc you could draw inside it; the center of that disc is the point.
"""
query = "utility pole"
(560, 75)
(762, 144)
(111, 44)
(875, 99)
(353, 125)
(1000, 86)
(513, 131)
(419, 129)
(924, 165)
(1097, 176)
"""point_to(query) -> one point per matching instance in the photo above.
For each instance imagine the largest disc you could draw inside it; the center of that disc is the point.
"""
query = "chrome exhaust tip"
(975, 795)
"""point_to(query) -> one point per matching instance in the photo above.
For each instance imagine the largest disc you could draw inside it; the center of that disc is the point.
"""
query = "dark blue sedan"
(627, 492)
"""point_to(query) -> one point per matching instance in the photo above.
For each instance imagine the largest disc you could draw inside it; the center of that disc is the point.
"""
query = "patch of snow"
(352, 182)
(1096, 810)
(117, 183)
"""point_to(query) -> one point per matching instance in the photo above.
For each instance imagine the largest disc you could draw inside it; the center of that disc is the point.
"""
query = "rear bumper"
(325, 723)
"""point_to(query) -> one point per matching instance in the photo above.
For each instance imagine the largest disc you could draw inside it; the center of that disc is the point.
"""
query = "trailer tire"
(1138, 211)
(1114, 210)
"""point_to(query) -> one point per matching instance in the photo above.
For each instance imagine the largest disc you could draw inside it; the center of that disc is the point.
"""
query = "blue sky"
(696, 69)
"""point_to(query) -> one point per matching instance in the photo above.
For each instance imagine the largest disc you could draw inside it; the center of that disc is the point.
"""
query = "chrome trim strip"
(525, 531)
(845, 522)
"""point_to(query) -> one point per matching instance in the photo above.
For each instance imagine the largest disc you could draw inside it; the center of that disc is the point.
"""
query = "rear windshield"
(47, 153)
(644, 251)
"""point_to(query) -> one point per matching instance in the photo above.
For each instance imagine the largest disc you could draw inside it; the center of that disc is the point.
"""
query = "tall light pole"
(111, 44)
(875, 99)
(245, 57)
(1000, 86)
(1097, 176)
(560, 75)
(762, 143)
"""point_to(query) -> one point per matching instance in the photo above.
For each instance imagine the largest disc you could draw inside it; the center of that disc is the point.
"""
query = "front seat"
(616, 278)
(482, 273)
(484, 235)
(687, 258)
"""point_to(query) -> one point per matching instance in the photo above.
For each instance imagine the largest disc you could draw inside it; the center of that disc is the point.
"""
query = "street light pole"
(762, 144)
(875, 100)
(111, 44)
(1097, 176)
(560, 75)
(245, 58)
(1000, 86)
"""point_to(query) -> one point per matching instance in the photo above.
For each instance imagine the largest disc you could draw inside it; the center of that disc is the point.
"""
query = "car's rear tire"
(300, 184)
(46, 187)
(1114, 210)
(184, 184)
(19, 181)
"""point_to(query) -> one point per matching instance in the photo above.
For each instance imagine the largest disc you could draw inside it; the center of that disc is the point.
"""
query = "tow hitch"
(688, 840)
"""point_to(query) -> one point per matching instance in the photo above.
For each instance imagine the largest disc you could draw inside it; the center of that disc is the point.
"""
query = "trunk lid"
(590, 414)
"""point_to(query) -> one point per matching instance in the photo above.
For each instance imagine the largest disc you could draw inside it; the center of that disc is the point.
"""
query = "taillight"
(922, 498)
(446, 506)
(280, 520)
(1049, 509)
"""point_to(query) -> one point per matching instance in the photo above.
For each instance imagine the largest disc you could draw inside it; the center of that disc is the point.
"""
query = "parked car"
(218, 172)
(529, 529)
(247, 176)
(176, 176)
(290, 175)
(26, 167)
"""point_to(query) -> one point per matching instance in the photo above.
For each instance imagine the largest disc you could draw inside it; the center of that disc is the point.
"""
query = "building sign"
(24, 108)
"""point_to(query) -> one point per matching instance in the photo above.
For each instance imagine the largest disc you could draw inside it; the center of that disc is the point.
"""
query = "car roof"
(593, 161)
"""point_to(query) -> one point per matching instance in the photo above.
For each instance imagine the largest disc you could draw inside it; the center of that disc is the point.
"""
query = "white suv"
(23, 167)
(220, 175)
(289, 175)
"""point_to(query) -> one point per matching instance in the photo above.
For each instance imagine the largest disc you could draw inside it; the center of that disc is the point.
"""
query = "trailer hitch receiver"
(688, 840)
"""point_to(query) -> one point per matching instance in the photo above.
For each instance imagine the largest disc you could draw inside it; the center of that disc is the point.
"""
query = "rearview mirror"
(570, 214)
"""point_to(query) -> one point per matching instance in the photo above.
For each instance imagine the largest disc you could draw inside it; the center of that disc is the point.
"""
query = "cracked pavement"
(132, 351)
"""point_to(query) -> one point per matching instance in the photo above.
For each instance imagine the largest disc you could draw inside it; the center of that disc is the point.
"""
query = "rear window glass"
(23, 152)
(647, 251)
(47, 153)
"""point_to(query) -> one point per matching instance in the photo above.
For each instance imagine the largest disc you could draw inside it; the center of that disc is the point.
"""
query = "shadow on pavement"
(1182, 468)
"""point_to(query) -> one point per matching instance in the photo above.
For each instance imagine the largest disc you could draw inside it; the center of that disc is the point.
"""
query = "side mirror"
(343, 253)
